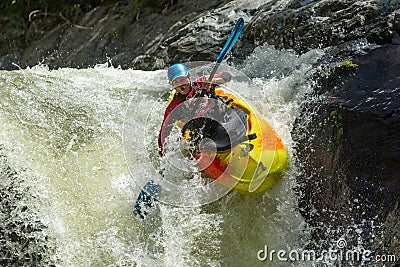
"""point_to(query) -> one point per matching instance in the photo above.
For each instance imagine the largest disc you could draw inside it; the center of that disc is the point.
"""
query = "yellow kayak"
(251, 165)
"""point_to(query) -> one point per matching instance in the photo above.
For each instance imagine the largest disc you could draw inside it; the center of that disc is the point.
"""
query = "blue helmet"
(177, 70)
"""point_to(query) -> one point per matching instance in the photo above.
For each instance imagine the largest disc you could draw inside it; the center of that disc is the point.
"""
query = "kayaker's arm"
(166, 124)
(219, 78)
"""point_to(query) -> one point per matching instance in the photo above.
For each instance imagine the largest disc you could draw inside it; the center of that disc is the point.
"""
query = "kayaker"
(179, 78)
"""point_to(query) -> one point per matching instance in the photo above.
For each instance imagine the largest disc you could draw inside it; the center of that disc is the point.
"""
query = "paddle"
(228, 46)
(146, 199)
(148, 195)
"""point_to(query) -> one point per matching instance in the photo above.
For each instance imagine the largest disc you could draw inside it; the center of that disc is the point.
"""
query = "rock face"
(304, 25)
(349, 153)
(127, 36)
(148, 38)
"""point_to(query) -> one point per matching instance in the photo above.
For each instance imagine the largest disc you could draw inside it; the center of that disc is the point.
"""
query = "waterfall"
(68, 195)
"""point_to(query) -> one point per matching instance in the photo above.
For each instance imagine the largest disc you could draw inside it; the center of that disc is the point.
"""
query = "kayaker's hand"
(206, 86)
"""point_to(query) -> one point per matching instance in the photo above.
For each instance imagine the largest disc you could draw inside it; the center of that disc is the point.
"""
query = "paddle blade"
(146, 199)
(228, 46)
(231, 40)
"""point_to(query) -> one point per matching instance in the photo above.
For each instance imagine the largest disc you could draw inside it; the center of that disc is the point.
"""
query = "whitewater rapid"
(62, 152)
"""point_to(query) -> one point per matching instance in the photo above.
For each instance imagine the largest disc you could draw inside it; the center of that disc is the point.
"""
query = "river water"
(67, 194)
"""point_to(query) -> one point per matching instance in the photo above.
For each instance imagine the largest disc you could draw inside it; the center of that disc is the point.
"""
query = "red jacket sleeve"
(162, 134)
(164, 131)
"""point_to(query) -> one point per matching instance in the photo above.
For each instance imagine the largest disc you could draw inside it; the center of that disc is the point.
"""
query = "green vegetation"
(347, 67)
(341, 72)
(332, 78)
(337, 127)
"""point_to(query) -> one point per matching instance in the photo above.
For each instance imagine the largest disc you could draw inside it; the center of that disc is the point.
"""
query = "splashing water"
(63, 171)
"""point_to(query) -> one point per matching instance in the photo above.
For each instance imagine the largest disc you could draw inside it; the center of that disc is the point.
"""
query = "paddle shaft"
(228, 46)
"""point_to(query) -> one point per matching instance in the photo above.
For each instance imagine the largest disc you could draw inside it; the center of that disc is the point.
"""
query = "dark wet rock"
(199, 37)
(152, 37)
(127, 36)
(305, 25)
(87, 43)
(348, 153)
(24, 240)
(10, 61)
